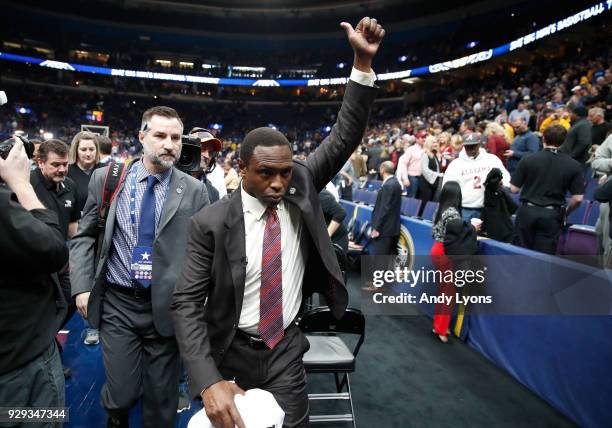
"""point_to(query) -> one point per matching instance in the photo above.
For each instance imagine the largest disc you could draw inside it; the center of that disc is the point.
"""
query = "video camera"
(7, 145)
(190, 155)
(212, 144)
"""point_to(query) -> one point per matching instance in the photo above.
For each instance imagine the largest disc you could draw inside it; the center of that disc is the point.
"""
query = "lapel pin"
(179, 190)
(292, 190)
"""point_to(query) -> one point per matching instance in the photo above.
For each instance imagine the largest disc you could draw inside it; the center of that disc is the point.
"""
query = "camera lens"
(186, 158)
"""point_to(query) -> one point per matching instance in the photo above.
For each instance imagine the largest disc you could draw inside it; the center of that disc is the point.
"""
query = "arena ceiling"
(273, 25)
(257, 16)
(284, 8)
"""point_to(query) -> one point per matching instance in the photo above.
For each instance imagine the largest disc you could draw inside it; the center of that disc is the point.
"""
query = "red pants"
(442, 311)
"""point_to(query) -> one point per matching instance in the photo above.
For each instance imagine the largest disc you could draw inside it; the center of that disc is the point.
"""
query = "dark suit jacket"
(386, 214)
(578, 141)
(208, 295)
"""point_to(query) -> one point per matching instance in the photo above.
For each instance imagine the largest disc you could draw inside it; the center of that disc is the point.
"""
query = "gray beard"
(156, 160)
(163, 163)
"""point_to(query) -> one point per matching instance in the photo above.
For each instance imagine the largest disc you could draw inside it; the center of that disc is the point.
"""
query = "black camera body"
(189, 160)
(7, 145)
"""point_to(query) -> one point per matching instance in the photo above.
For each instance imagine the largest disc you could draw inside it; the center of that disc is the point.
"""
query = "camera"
(7, 145)
(190, 155)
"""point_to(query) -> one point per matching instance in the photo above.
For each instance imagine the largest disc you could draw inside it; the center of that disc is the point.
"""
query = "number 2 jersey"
(471, 174)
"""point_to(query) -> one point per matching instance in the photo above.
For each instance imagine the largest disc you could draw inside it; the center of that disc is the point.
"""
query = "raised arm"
(347, 132)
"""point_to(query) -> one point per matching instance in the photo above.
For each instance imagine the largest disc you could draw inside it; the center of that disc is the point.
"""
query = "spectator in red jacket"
(497, 141)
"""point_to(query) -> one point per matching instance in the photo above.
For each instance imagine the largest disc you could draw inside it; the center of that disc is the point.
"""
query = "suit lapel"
(295, 196)
(235, 247)
(176, 190)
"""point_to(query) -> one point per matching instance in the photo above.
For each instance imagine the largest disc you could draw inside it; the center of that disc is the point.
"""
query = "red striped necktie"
(271, 292)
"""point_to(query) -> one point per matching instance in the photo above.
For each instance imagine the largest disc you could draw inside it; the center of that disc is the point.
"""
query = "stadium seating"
(592, 214)
(373, 185)
(410, 206)
(579, 214)
(430, 210)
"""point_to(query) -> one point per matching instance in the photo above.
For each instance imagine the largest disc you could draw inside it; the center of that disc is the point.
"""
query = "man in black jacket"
(386, 214)
(58, 192)
(579, 138)
(544, 178)
(32, 248)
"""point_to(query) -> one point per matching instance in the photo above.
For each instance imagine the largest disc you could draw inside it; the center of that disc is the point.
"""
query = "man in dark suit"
(126, 289)
(386, 214)
(241, 289)
(579, 139)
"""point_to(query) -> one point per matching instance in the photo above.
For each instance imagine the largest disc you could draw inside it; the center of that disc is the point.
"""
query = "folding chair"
(329, 354)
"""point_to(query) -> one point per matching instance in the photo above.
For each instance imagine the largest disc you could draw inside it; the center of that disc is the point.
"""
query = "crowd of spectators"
(510, 109)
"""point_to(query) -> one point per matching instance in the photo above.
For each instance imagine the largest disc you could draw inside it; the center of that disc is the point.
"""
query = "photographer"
(210, 173)
(32, 249)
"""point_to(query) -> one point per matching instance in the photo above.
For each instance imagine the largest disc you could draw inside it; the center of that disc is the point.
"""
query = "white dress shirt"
(293, 260)
(294, 255)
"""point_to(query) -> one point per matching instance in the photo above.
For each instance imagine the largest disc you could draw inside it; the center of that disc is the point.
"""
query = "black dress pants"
(538, 228)
(383, 246)
(280, 371)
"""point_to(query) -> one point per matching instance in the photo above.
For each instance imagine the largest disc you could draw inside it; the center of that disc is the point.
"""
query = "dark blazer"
(208, 295)
(386, 214)
(578, 140)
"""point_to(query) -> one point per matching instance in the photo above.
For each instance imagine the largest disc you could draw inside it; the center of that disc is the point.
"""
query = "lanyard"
(133, 202)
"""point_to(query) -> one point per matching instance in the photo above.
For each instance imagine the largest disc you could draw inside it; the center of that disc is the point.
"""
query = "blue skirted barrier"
(565, 359)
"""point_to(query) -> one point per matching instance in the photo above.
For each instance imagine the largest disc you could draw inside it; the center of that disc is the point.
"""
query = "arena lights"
(584, 15)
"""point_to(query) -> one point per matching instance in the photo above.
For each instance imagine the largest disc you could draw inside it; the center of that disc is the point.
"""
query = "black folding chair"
(329, 353)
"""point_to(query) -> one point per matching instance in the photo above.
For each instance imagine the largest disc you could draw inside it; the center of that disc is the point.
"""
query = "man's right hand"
(220, 406)
(81, 303)
(365, 40)
(15, 169)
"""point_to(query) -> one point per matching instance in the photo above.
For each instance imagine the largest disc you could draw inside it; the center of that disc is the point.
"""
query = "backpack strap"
(114, 176)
